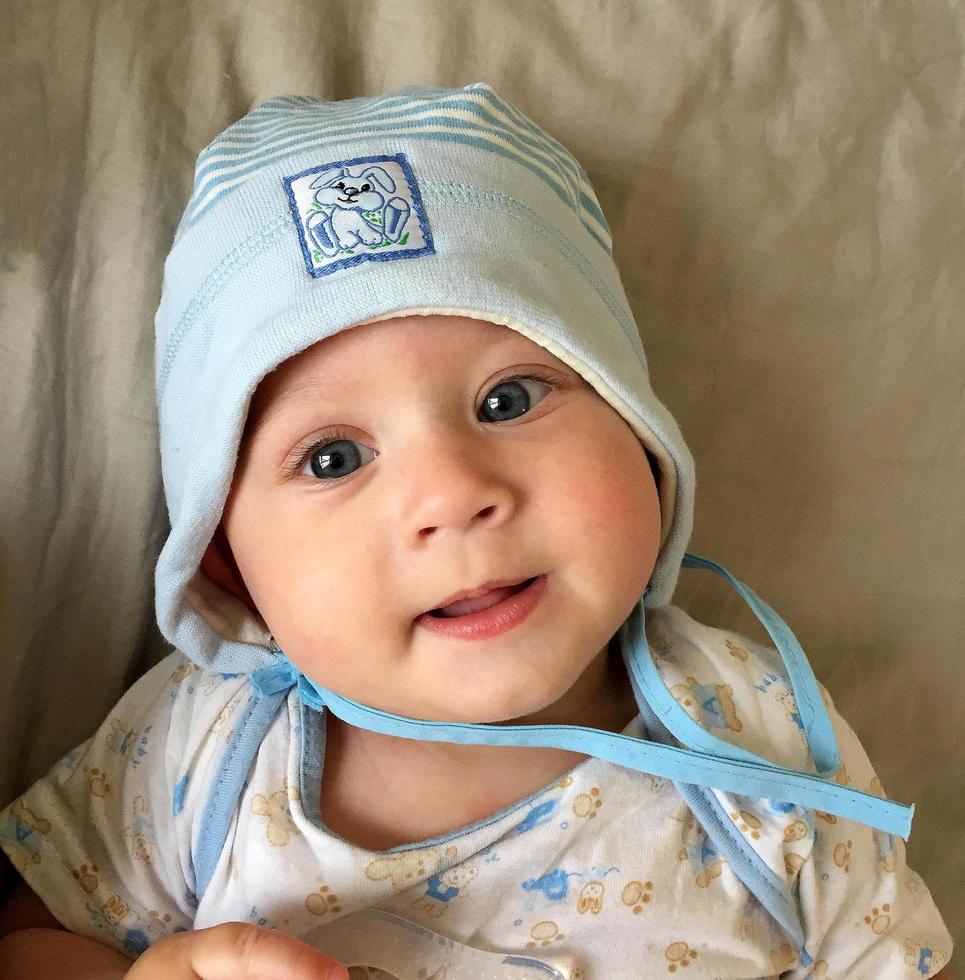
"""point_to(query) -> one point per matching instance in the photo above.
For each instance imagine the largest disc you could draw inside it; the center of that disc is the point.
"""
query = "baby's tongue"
(464, 606)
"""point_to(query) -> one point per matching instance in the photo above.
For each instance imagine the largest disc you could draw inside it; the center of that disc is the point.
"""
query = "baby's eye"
(335, 456)
(331, 460)
(506, 396)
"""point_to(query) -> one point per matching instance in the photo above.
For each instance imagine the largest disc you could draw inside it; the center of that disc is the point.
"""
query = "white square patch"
(359, 210)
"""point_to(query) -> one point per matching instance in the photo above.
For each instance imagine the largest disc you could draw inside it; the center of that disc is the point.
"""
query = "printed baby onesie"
(604, 874)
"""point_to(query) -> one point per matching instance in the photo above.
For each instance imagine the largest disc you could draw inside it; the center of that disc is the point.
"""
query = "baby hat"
(308, 217)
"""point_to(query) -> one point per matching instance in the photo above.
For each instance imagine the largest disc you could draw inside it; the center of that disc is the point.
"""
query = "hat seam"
(552, 235)
(234, 261)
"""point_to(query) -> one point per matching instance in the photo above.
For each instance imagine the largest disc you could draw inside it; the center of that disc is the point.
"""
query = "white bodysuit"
(605, 874)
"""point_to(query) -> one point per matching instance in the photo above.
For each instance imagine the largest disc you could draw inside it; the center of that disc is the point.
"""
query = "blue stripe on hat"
(268, 133)
(240, 145)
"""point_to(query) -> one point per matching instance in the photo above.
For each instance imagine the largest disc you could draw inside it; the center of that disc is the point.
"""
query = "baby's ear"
(218, 565)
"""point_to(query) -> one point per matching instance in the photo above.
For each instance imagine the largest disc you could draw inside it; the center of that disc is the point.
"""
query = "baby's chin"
(495, 712)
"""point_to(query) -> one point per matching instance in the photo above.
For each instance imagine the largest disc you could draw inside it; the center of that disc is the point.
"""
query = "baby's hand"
(234, 951)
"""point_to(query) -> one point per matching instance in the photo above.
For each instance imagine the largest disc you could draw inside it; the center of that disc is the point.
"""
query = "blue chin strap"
(707, 761)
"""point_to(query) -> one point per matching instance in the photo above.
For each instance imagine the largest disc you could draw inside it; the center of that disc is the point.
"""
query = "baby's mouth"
(465, 606)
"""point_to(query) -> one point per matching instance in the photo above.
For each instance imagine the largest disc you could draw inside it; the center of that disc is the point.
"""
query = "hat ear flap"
(218, 565)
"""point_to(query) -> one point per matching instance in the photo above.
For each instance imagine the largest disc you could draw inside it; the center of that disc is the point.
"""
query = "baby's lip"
(480, 590)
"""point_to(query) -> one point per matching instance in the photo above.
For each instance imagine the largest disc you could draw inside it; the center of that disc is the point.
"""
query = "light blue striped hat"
(300, 218)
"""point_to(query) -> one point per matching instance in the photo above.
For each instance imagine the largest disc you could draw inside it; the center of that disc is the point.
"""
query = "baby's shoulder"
(204, 701)
(192, 711)
(735, 688)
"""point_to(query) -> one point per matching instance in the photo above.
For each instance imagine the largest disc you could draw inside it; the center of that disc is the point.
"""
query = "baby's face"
(381, 471)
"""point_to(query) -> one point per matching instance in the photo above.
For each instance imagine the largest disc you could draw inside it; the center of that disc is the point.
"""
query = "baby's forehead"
(407, 337)
(345, 363)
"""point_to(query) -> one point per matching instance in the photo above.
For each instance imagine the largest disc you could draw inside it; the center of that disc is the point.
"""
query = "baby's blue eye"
(505, 401)
(329, 461)
(337, 457)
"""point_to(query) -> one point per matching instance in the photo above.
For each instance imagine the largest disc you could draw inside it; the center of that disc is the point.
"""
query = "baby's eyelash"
(302, 456)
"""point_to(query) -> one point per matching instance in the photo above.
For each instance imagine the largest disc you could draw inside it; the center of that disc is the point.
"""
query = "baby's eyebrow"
(312, 386)
(319, 389)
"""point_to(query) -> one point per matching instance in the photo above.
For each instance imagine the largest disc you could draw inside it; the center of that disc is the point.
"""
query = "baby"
(430, 710)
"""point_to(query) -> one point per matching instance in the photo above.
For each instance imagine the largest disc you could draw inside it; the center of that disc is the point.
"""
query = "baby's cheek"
(624, 510)
(614, 517)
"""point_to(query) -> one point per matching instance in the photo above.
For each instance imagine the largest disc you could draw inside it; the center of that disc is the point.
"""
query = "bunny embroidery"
(350, 211)
(355, 211)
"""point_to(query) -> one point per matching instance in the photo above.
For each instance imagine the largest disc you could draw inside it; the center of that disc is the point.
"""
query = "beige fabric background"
(785, 185)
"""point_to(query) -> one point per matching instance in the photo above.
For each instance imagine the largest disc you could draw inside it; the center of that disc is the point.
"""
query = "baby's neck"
(380, 791)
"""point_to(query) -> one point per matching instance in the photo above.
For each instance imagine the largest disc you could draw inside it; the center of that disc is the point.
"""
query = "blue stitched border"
(227, 787)
(741, 857)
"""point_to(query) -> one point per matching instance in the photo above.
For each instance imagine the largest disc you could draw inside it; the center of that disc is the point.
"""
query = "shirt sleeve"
(866, 914)
(103, 838)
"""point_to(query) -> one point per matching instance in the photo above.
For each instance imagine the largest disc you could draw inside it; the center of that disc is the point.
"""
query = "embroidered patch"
(353, 211)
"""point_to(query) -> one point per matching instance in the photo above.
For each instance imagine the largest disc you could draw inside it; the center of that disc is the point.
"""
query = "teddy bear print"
(797, 830)
(660, 645)
(586, 804)
(99, 786)
(784, 958)
(141, 831)
(28, 818)
(698, 848)
(785, 698)
(321, 901)
(636, 894)
(842, 854)
(125, 924)
(86, 877)
(914, 881)
(591, 898)
(182, 671)
(679, 955)
(115, 910)
(158, 923)
(878, 919)
(275, 808)
(737, 652)
(793, 863)
(842, 776)
(711, 705)
(444, 888)
(544, 933)
(748, 823)
(121, 738)
(27, 832)
(410, 867)
(876, 789)
(685, 697)
(222, 717)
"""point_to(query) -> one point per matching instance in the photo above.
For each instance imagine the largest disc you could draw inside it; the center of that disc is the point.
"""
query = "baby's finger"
(235, 951)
